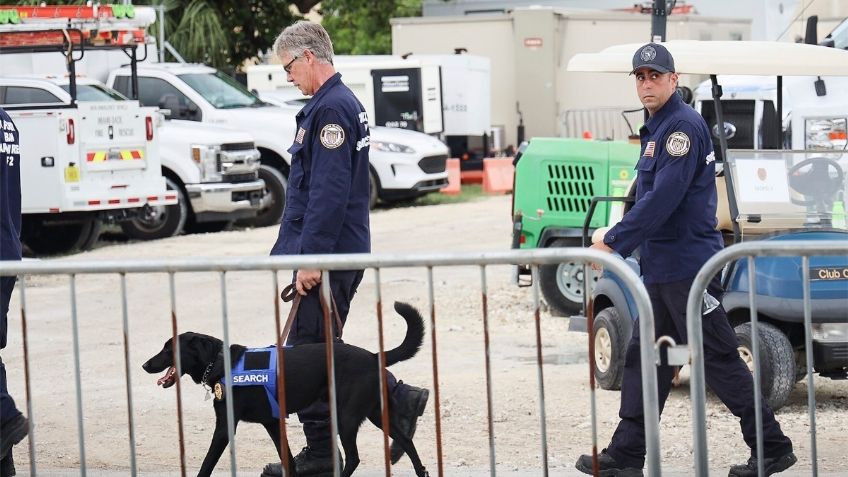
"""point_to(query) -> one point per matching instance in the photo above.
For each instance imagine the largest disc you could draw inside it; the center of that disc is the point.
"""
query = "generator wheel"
(562, 284)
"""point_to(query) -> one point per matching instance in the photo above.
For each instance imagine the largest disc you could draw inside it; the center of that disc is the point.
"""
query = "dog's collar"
(204, 380)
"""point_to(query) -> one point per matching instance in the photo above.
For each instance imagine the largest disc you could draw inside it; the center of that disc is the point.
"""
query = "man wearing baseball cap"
(672, 223)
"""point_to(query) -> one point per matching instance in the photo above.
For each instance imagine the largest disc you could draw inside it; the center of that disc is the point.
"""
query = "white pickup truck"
(212, 170)
(82, 164)
(202, 94)
(407, 165)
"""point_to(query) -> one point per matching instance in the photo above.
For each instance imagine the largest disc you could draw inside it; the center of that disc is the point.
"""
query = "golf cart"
(764, 194)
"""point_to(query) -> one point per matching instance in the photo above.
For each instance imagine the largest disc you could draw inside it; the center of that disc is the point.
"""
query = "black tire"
(52, 239)
(275, 185)
(374, 191)
(562, 284)
(777, 361)
(159, 222)
(610, 348)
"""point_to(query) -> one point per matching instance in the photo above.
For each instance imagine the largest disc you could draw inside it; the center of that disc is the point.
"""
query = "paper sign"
(762, 181)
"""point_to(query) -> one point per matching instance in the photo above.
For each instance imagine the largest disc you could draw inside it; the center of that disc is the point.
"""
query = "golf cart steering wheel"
(815, 183)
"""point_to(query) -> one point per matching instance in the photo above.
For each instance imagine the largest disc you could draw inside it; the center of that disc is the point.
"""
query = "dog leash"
(290, 294)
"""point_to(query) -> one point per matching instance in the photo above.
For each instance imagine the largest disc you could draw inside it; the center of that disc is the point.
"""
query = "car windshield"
(839, 35)
(222, 91)
(95, 92)
(789, 189)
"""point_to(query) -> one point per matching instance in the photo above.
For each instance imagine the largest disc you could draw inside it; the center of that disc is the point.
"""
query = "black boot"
(607, 466)
(407, 413)
(310, 461)
(7, 466)
(771, 465)
(12, 432)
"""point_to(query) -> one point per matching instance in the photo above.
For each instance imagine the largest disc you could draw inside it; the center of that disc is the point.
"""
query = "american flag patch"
(649, 149)
(300, 133)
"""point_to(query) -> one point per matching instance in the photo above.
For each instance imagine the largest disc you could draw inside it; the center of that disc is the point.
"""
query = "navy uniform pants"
(7, 404)
(308, 328)
(726, 375)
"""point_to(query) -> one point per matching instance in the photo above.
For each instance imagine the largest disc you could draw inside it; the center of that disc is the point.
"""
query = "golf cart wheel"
(610, 348)
(562, 284)
(777, 361)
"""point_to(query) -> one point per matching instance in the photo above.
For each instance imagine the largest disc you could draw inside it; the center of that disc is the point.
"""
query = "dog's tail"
(414, 335)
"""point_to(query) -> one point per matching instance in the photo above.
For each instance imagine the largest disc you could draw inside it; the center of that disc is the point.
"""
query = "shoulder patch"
(332, 136)
(677, 144)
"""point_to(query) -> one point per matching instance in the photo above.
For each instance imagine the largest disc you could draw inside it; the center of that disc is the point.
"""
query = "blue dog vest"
(258, 367)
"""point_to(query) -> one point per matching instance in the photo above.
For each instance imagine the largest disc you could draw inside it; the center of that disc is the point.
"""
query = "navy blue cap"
(653, 56)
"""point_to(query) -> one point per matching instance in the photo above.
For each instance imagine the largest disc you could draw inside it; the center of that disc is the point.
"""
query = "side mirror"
(192, 112)
(170, 103)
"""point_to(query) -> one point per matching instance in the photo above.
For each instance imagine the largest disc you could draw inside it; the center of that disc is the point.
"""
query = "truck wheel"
(562, 284)
(158, 221)
(207, 227)
(51, 239)
(777, 361)
(610, 348)
(275, 185)
(374, 191)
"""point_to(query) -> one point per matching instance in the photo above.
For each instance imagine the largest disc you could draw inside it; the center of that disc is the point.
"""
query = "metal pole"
(77, 372)
(160, 10)
(488, 365)
(658, 21)
(435, 354)
(755, 343)
(178, 365)
(539, 371)
(228, 375)
(384, 378)
(329, 340)
(27, 378)
(808, 348)
(126, 326)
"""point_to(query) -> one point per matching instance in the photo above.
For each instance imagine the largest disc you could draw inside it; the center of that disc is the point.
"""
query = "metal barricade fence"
(749, 250)
(328, 263)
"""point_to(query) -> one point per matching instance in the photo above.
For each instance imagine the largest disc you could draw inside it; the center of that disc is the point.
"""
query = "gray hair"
(304, 35)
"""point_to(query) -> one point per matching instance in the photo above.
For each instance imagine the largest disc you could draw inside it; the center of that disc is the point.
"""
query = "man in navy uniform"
(327, 212)
(673, 224)
(13, 425)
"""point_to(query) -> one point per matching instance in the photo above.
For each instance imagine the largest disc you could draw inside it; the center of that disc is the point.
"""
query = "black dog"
(357, 387)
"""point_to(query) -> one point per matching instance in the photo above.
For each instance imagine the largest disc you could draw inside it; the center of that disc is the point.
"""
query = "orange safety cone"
(498, 175)
(454, 186)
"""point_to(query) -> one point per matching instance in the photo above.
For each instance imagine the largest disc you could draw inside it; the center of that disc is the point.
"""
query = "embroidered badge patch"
(648, 53)
(300, 133)
(332, 136)
(219, 391)
(649, 149)
(677, 144)
(710, 157)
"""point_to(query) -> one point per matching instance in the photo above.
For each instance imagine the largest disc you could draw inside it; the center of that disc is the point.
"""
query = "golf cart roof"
(767, 58)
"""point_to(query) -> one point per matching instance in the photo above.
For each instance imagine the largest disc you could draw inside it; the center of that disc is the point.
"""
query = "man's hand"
(306, 279)
(602, 247)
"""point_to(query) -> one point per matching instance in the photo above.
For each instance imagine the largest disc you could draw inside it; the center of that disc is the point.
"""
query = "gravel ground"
(481, 225)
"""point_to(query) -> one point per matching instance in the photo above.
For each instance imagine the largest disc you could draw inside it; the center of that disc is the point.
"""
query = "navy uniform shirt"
(328, 191)
(10, 189)
(674, 217)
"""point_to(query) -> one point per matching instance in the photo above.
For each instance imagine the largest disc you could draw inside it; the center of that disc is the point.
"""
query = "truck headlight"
(391, 147)
(825, 133)
(208, 162)
(830, 331)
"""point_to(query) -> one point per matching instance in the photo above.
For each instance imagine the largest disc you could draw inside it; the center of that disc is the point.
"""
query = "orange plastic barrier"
(498, 174)
(453, 187)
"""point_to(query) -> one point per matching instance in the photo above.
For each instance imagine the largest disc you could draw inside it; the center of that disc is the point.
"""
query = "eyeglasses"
(287, 67)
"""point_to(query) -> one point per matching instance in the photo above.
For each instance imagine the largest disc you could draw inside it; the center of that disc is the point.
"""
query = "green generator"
(555, 181)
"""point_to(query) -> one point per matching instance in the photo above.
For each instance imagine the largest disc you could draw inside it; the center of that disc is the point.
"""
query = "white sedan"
(404, 164)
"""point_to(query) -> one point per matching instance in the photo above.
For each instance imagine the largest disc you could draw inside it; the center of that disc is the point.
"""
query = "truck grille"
(238, 146)
(570, 187)
(739, 113)
(433, 164)
(247, 177)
